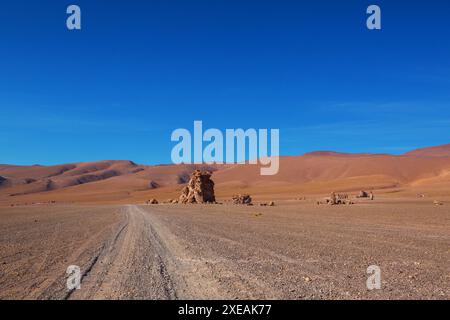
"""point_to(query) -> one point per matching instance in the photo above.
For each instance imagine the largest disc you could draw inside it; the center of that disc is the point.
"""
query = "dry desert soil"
(295, 250)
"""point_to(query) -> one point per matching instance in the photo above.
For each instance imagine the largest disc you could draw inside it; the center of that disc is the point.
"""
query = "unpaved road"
(225, 252)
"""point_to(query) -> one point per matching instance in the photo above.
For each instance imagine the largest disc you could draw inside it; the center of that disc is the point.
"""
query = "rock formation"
(363, 194)
(335, 199)
(200, 189)
(242, 199)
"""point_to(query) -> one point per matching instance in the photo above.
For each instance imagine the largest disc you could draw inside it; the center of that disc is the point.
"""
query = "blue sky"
(140, 69)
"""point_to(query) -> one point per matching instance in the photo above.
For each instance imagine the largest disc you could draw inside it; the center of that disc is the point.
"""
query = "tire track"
(132, 265)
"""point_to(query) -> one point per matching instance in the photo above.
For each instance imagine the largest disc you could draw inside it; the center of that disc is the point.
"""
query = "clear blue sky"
(139, 69)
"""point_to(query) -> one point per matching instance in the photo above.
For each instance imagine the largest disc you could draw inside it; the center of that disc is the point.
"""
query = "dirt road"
(225, 252)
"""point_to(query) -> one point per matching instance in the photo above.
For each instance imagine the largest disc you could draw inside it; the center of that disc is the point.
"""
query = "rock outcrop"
(242, 199)
(363, 194)
(200, 189)
(335, 199)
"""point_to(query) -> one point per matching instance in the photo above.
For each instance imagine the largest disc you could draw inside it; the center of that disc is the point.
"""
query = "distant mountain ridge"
(437, 151)
(315, 172)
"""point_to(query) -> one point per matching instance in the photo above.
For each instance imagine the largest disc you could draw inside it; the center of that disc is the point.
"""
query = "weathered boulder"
(363, 194)
(152, 201)
(336, 199)
(199, 189)
(242, 199)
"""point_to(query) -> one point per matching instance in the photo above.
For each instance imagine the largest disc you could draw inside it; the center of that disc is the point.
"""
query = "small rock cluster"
(242, 199)
(365, 194)
(270, 204)
(336, 199)
(171, 201)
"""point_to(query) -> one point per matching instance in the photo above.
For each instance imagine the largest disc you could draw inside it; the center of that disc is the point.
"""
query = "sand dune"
(423, 170)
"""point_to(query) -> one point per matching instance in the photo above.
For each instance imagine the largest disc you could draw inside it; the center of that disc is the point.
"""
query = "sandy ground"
(291, 251)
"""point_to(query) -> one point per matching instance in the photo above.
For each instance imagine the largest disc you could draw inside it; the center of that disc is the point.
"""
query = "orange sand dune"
(420, 171)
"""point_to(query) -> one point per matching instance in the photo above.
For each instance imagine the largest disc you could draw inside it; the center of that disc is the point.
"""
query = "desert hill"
(424, 170)
(438, 151)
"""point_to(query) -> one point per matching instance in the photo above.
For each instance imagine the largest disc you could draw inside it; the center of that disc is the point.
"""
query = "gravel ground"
(291, 251)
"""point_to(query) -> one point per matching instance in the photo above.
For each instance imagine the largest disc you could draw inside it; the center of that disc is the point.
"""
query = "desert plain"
(95, 216)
